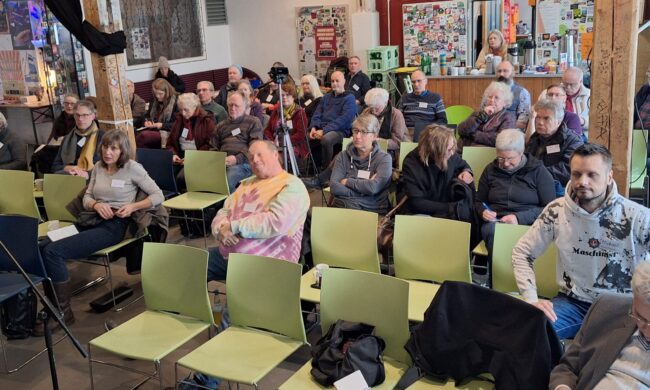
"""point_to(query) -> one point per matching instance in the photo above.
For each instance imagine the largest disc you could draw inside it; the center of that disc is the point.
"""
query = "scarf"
(85, 160)
(160, 113)
(289, 111)
(385, 121)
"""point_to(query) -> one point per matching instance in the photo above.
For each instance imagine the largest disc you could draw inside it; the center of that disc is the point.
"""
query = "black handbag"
(346, 348)
(19, 315)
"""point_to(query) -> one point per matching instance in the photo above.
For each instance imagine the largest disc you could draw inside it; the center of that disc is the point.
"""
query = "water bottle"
(217, 308)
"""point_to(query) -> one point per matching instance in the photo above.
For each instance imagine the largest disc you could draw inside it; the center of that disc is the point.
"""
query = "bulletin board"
(155, 28)
(435, 28)
(323, 35)
(558, 17)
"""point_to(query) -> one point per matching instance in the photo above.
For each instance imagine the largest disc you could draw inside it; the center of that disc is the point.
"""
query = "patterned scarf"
(85, 160)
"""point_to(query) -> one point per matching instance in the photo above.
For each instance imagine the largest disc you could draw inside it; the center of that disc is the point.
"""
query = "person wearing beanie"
(164, 72)
(235, 73)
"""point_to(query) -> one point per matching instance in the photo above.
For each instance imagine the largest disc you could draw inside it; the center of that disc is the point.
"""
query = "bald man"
(332, 120)
(520, 95)
(422, 105)
(577, 95)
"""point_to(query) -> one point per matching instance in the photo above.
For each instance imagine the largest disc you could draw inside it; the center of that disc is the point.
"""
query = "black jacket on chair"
(470, 330)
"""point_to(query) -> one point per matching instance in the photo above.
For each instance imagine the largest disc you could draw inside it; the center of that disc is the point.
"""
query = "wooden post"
(612, 92)
(113, 105)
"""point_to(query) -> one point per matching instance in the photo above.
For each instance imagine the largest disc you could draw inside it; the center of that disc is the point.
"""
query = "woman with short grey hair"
(391, 120)
(481, 128)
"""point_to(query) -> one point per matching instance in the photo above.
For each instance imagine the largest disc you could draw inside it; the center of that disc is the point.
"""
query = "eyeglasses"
(639, 321)
(570, 85)
(362, 132)
(502, 160)
(555, 94)
(202, 90)
(84, 116)
(418, 81)
(69, 103)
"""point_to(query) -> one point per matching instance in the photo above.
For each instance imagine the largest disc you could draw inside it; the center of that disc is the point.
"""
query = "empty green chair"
(457, 114)
(266, 322)
(639, 159)
(177, 308)
(478, 157)
(17, 195)
(58, 191)
(404, 149)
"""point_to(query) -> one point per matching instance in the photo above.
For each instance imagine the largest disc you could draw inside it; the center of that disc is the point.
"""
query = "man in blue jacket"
(332, 119)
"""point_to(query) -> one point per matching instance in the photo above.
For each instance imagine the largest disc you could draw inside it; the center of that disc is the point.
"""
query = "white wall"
(262, 32)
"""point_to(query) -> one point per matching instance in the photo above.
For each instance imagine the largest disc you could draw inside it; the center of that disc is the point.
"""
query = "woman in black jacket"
(164, 72)
(429, 171)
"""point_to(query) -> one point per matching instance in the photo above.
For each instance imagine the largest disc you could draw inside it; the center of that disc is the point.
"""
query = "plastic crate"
(383, 58)
(382, 80)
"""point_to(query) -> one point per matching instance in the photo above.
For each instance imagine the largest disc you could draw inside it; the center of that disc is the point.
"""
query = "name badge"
(185, 132)
(235, 132)
(355, 87)
(250, 207)
(269, 98)
(363, 174)
(423, 105)
(115, 183)
(82, 142)
(308, 102)
(1, 145)
(550, 149)
(290, 124)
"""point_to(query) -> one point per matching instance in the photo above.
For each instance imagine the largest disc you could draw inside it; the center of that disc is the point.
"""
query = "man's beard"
(503, 79)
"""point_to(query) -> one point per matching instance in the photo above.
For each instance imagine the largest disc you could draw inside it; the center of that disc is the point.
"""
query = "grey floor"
(72, 368)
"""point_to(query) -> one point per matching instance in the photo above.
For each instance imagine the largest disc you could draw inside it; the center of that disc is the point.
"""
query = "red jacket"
(202, 128)
(298, 133)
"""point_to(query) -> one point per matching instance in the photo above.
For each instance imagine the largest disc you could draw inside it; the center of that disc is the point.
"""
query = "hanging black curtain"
(68, 12)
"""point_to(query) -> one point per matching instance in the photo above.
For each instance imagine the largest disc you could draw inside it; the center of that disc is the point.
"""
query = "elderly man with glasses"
(612, 348)
(422, 105)
(577, 99)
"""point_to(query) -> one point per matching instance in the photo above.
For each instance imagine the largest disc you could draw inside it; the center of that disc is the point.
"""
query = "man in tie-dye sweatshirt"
(264, 216)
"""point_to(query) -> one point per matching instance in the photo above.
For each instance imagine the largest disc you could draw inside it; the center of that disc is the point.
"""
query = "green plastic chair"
(207, 183)
(177, 308)
(383, 143)
(478, 157)
(639, 158)
(457, 114)
(17, 195)
(503, 279)
(266, 322)
(58, 191)
(404, 149)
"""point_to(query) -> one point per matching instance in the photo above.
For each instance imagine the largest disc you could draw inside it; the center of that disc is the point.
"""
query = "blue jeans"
(570, 314)
(217, 265)
(237, 173)
(105, 234)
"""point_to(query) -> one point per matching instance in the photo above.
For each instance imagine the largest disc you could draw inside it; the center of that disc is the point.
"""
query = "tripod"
(283, 133)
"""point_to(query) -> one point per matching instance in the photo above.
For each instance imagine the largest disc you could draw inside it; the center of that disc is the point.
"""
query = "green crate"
(383, 58)
(382, 80)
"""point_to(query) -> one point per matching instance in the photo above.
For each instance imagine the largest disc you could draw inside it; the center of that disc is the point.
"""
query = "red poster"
(325, 42)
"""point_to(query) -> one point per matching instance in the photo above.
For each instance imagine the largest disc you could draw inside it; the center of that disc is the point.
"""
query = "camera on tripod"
(279, 75)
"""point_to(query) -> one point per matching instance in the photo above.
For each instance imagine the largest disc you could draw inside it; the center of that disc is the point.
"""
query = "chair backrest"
(433, 249)
(478, 157)
(418, 126)
(370, 298)
(383, 143)
(639, 158)
(503, 279)
(158, 163)
(58, 191)
(405, 148)
(20, 235)
(205, 171)
(174, 280)
(17, 195)
(264, 293)
(345, 238)
(457, 114)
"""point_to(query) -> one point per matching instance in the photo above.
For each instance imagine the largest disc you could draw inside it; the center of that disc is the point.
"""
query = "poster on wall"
(433, 29)
(20, 26)
(557, 18)
(322, 37)
(4, 25)
(11, 73)
(140, 43)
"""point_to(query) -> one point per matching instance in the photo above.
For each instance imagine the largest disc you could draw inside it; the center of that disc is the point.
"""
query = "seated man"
(12, 150)
(138, 105)
(357, 82)
(577, 95)
(235, 73)
(520, 95)
(422, 105)
(205, 90)
(611, 348)
(42, 159)
(264, 217)
(79, 149)
(600, 235)
(332, 120)
(553, 143)
(234, 136)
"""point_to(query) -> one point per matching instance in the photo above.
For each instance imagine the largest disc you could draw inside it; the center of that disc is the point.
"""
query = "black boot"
(63, 295)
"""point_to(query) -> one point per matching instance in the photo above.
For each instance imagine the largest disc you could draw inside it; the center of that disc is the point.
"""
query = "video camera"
(279, 75)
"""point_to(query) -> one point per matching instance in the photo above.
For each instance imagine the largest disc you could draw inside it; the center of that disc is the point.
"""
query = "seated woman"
(496, 45)
(255, 108)
(362, 172)
(12, 150)
(553, 143)
(111, 194)
(160, 117)
(192, 130)
(391, 120)
(514, 188)
(429, 171)
(79, 149)
(296, 121)
(482, 127)
(310, 94)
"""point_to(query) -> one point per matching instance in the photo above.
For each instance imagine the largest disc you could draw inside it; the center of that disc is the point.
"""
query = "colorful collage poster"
(433, 29)
(555, 18)
(19, 24)
(322, 37)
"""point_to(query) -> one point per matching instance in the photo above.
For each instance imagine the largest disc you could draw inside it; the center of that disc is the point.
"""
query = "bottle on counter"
(435, 66)
(443, 64)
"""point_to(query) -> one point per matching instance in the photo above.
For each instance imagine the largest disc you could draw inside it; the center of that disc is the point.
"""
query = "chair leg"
(119, 309)
(110, 277)
(90, 368)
